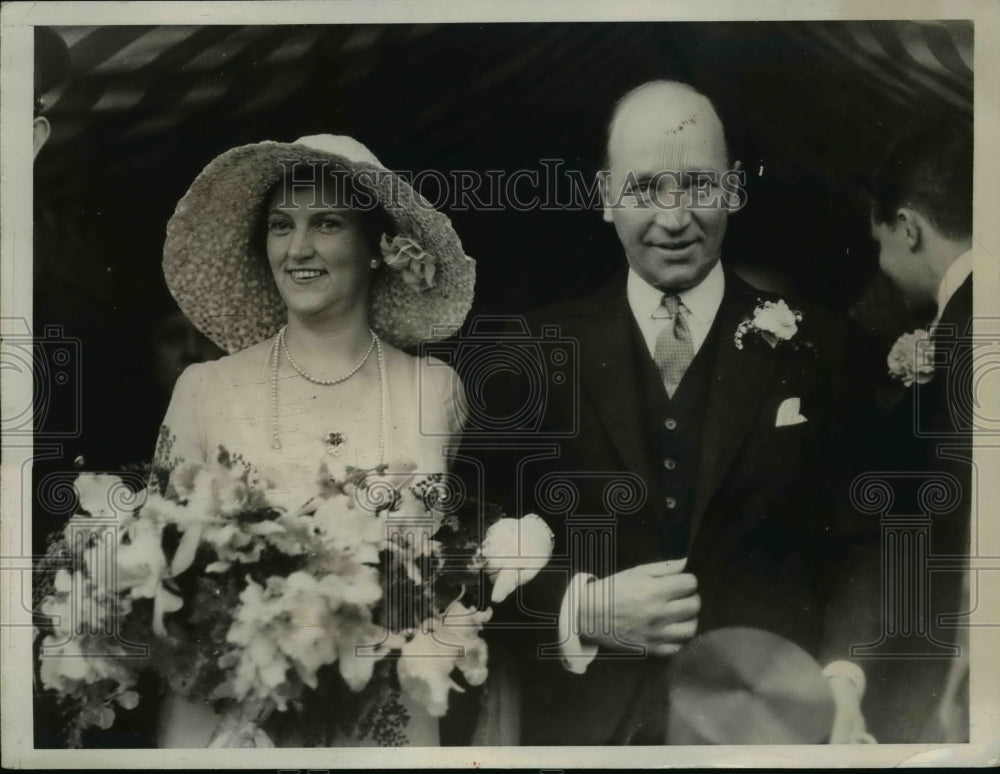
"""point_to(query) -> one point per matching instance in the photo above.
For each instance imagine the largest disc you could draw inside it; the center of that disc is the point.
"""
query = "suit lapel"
(740, 379)
(611, 380)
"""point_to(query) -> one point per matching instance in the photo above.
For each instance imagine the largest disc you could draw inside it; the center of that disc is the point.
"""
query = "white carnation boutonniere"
(911, 359)
(774, 322)
(406, 256)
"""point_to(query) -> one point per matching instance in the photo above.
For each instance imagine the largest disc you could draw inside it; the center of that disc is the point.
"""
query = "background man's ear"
(42, 130)
(911, 226)
(603, 181)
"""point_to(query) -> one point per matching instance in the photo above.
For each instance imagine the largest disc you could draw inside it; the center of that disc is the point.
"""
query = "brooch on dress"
(334, 443)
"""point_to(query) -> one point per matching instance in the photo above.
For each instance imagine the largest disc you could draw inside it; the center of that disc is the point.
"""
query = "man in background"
(912, 424)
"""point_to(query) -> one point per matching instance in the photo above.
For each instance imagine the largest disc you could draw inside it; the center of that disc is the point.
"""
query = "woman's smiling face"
(317, 250)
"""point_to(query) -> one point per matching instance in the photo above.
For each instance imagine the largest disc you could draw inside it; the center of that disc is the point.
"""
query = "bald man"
(716, 428)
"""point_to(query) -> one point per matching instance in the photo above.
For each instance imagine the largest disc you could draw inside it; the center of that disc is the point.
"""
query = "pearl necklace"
(280, 346)
(325, 382)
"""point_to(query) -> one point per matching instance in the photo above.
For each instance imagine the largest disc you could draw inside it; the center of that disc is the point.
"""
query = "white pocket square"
(788, 413)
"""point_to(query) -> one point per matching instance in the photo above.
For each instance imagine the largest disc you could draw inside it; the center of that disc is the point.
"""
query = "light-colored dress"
(228, 403)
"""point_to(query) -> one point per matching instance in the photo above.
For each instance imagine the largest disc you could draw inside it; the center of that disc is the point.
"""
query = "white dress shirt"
(701, 302)
(646, 302)
(952, 280)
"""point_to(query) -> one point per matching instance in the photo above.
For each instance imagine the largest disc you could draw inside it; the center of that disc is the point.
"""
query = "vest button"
(669, 464)
(670, 424)
(671, 503)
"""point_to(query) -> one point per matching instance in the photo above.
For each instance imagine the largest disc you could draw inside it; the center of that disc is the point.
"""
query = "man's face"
(661, 194)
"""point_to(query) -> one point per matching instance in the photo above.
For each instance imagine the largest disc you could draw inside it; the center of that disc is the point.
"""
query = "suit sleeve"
(495, 460)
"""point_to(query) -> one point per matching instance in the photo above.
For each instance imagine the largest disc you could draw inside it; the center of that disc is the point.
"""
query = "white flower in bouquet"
(182, 478)
(260, 666)
(344, 621)
(360, 645)
(349, 582)
(306, 638)
(142, 567)
(515, 550)
(97, 493)
(439, 647)
(330, 548)
(65, 662)
(103, 499)
(218, 492)
(75, 610)
(424, 670)
(66, 618)
(234, 735)
(210, 490)
(303, 623)
(211, 496)
(463, 625)
(347, 528)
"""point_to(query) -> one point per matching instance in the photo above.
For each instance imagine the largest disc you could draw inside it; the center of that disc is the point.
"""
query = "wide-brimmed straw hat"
(220, 280)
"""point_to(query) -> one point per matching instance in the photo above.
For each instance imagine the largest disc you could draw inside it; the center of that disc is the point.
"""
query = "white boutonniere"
(773, 321)
(911, 359)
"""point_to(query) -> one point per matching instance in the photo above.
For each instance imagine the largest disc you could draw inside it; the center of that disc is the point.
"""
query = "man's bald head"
(665, 183)
(671, 103)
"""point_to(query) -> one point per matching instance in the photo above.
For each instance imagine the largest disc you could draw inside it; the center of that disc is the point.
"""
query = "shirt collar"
(702, 301)
(952, 280)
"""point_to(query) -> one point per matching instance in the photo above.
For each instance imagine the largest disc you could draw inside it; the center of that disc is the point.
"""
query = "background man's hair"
(620, 103)
(928, 169)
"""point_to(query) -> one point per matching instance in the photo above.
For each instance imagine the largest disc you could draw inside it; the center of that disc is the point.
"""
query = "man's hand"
(652, 605)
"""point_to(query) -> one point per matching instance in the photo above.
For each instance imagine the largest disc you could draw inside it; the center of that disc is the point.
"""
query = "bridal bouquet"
(288, 611)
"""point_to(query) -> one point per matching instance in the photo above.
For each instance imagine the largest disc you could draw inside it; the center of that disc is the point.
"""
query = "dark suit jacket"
(757, 522)
(906, 437)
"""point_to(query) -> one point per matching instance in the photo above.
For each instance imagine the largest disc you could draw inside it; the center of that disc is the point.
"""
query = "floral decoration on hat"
(416, 266)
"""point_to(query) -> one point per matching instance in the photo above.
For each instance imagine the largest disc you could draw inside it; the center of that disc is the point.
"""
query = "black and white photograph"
(475, 386)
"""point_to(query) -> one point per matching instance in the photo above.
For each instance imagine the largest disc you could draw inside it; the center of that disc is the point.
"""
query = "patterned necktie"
(674, 350)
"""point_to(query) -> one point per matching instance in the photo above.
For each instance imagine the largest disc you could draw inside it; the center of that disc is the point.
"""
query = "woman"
(314, 288)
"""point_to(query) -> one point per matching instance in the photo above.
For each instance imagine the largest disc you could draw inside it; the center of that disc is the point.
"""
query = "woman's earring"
(374, 263)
